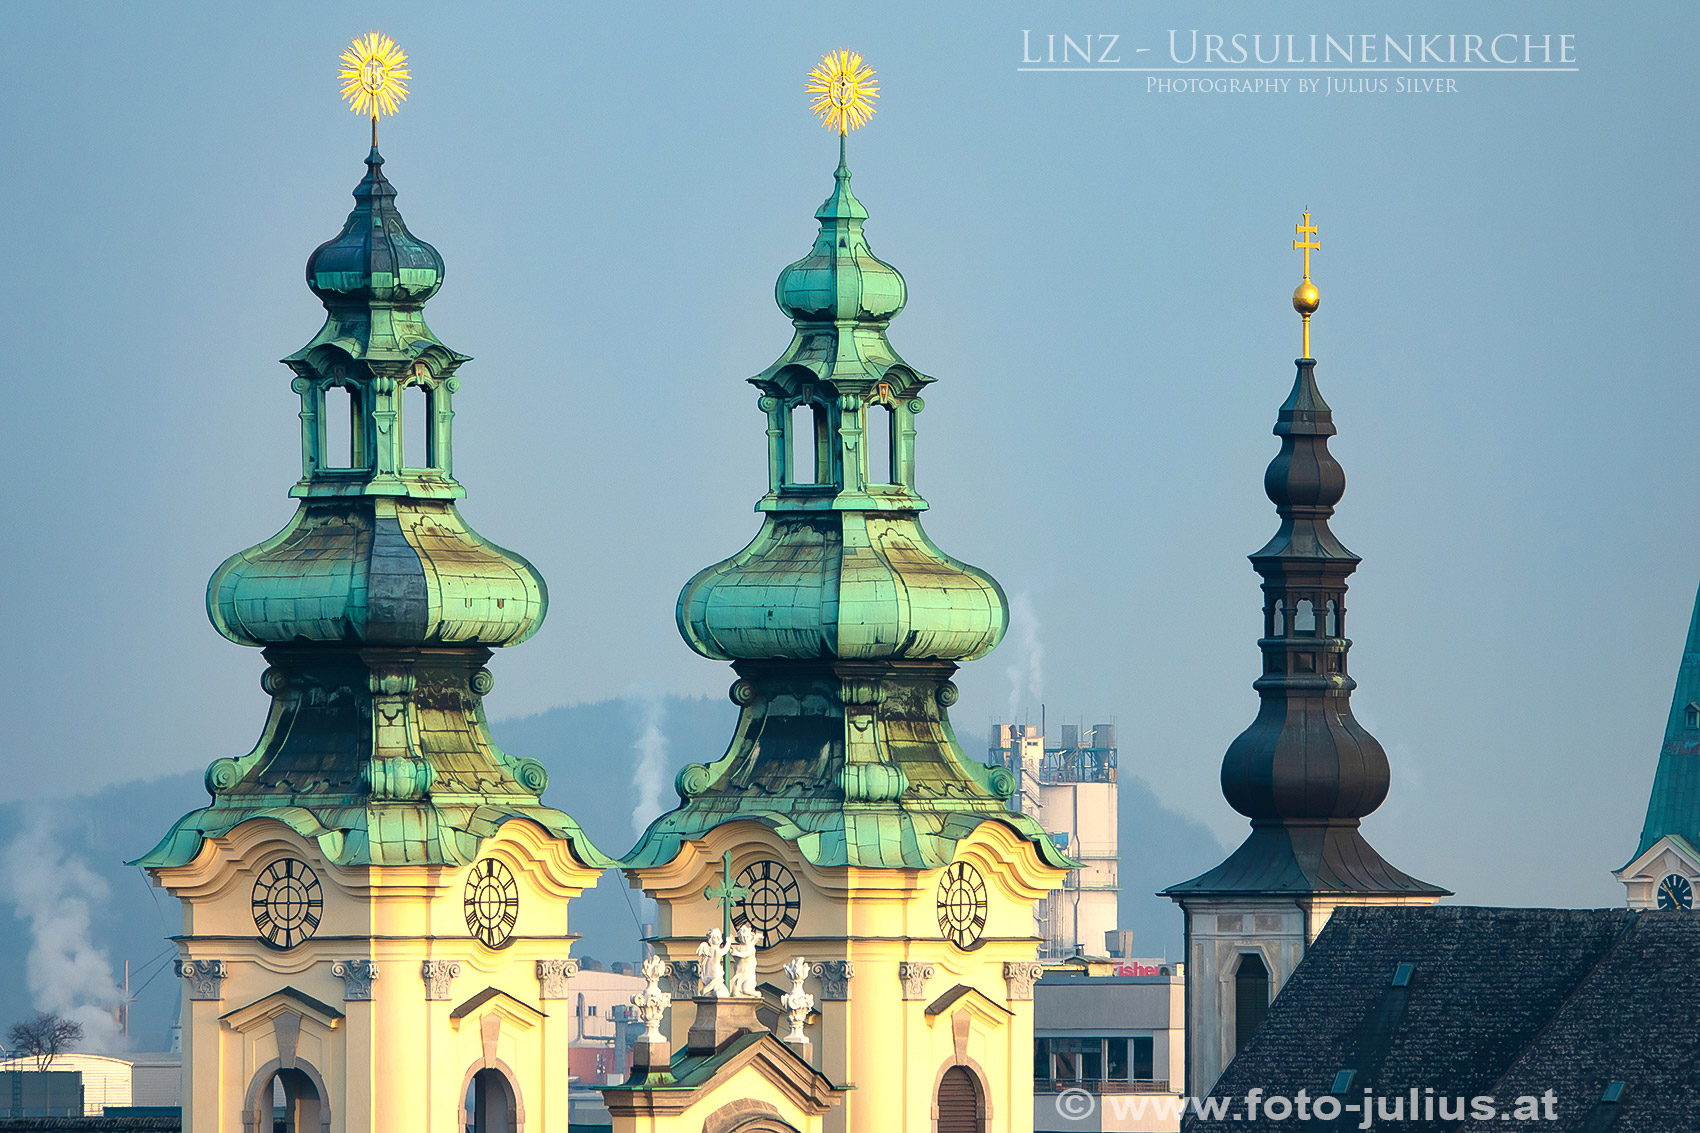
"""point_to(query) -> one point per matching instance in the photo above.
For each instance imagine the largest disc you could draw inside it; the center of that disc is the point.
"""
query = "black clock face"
(1675, 892)
(962, 905)
(287, 903)
(770, 906)
(492, 903)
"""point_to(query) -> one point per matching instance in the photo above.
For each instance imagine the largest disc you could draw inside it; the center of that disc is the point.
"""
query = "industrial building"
(1070, 789)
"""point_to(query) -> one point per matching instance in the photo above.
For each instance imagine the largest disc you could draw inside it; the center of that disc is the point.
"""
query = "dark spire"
(1305, 771)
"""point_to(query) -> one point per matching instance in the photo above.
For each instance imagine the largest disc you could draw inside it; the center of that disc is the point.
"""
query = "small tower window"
(416, 428)
(809, 459)
(1330, 624)
(876, 442)
(1304, 617)
(1691, 716)
(1279, 627)
(1251, 998)
(340, 423)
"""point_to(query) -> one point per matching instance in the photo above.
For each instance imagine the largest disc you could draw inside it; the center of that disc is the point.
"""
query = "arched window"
(877, 442)
(490, 1104)
(1691, 716)
(959, 1104)
(418, 451)
(1279, 627)
(1330, 624)
(288, 1103)
(1251, 998)
(339, 428)
(808, 458)
(1304, 617)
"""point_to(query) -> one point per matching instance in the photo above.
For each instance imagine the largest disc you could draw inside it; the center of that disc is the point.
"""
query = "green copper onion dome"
(377, 606)
(843, 620)
(375, 258)
(840, 278)
(378, 553)
(841, 568)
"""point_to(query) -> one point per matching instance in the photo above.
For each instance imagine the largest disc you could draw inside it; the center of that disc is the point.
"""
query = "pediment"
(1672, 853)
(493, 1000)
(262, 1011)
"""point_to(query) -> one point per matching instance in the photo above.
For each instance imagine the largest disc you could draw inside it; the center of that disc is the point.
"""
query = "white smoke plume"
(649, 776)
(1026, 670)
(54, 893)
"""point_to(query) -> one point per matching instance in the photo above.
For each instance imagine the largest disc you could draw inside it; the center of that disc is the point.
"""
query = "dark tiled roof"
(141, 1123)
(1500, 1002)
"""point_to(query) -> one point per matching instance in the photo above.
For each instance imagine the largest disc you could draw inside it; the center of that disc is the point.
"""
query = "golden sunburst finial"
(374, 76)
(844, 90)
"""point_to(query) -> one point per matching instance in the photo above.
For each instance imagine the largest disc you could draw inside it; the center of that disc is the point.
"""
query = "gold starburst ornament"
(844, 91)
(374, 76)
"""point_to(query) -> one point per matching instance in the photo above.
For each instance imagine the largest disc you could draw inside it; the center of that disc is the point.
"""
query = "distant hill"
(64, 859)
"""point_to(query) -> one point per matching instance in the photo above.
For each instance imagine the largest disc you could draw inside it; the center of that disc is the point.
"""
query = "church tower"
(1305, 772)
(1665, 871)
(375, 900)
(856, 834)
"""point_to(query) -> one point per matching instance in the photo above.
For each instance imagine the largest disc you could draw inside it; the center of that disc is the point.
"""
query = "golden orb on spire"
(844, 90)
(1306, 298)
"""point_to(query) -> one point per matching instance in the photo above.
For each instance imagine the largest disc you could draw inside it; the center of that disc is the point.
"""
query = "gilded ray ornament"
(844, 90)
(374, 76)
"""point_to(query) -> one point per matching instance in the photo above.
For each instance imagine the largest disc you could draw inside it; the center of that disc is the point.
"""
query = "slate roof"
(1499, 1002)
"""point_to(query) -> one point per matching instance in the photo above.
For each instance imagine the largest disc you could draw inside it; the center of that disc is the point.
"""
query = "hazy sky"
(1098, 275)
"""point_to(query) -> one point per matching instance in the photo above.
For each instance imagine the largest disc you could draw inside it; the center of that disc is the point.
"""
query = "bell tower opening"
(959, 1106)
(490, 1104)
(288, 1102)
(1251, 998)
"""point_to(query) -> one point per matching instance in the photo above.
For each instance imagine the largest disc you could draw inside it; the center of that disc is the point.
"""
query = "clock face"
(492, 903)
(287, 903)
(770, 906)
(962, 905)
(1675, 892)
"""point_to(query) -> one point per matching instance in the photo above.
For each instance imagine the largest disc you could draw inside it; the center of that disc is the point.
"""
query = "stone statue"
(711, 974)
(743, 953)
(651, 1003)
(797, 1002)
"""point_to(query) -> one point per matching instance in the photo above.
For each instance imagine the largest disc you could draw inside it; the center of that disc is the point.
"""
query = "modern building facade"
(1305, 772)
(1069, 788)
(1109, 1051)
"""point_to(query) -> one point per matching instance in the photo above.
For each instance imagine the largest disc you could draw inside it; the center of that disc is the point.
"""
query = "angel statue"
(744, 964)
(711, 973)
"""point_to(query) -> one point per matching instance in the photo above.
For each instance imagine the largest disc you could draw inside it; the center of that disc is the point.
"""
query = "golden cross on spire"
(1305, 297)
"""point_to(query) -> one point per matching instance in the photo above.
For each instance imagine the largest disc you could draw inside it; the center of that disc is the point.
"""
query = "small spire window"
(876, 442)
(1304, 617)
(1691, 716)
(1251, 997)
(417, 449)
(340, 429)
(809, 459)
(1278, 627)
(1330, 623)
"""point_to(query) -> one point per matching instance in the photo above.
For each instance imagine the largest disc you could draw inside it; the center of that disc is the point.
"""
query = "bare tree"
(43, 1038)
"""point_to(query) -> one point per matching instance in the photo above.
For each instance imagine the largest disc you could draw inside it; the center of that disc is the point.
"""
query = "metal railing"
(1101, 1085)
